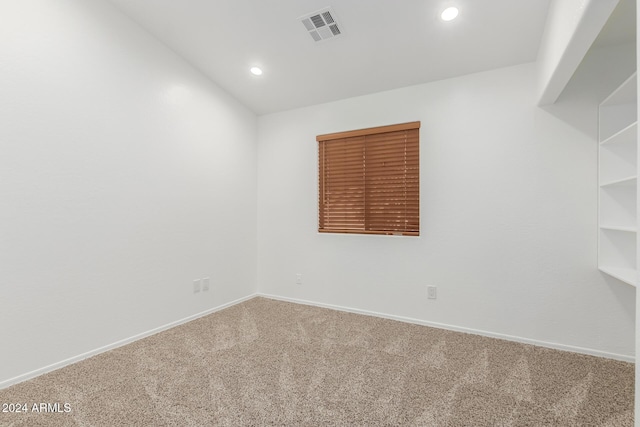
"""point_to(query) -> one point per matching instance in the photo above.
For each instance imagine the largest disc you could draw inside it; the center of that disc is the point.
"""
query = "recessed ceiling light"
(256, 71)
(449, 14)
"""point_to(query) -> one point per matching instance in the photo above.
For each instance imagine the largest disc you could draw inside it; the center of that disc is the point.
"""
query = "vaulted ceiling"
(383, 44)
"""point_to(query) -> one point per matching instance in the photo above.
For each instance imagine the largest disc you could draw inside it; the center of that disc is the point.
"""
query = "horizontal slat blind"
(369, 182)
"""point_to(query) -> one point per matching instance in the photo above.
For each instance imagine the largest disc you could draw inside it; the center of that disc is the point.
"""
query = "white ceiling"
(385, 44)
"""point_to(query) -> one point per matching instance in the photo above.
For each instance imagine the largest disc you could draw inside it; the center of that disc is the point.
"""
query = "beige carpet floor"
(266, 362)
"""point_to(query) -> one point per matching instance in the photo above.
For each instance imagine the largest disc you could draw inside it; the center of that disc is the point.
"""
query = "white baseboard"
(555, 346)
(80, 357)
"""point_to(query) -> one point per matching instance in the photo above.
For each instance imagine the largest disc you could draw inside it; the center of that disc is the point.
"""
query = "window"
(369, 180)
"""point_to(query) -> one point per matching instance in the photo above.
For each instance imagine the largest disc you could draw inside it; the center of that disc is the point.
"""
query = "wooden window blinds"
(369, 180)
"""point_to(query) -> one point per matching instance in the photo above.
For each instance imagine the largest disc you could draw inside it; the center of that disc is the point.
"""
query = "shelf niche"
(618, 183)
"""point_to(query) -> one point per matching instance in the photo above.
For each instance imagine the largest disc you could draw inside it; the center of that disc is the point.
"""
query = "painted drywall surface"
(563, 19)
(571, 28)
(124, 175)
(508, 214)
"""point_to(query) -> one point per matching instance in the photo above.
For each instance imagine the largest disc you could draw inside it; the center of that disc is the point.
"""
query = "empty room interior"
(182, 242)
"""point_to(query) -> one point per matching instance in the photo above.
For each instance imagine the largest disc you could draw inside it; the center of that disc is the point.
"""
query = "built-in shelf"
(619, 155)
(627, 275)
(618, 206)
(629, 180)
(626, 93)
(630, 133)
(618, 183)
(619, 228)
(619, 109)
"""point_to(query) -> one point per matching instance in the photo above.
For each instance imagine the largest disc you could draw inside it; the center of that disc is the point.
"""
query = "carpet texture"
(266, 362)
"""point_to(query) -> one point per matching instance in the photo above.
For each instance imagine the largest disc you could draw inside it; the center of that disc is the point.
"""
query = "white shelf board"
(630, 132)
(626, 93)
(627, 275)
(619, 228)
(630, 180)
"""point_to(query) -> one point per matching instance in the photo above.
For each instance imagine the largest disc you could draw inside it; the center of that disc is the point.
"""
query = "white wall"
(508, 213)
(124, 175)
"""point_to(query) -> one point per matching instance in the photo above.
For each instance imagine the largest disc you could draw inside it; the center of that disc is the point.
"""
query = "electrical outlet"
(298, 279)
(196, 286)
(432, 292)
(205, 284)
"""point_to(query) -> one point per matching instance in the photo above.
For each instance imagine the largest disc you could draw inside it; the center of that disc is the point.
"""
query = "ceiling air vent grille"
(321, 25)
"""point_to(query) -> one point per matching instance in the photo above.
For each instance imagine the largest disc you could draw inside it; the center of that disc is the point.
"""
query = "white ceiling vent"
(321, 25)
